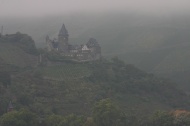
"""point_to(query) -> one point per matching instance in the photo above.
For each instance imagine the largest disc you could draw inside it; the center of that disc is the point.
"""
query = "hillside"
(153, 44)
(75, 88)
(18, 50)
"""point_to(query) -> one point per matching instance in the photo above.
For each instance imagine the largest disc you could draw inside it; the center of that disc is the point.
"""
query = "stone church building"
(85, 52)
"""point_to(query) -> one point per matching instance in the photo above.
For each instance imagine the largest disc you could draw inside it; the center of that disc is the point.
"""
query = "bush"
(19, 118)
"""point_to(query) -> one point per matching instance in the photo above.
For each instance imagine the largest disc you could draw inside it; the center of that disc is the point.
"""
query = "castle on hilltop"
(85, 52)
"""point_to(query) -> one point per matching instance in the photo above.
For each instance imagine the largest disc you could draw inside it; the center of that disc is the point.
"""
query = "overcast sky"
(50, 7)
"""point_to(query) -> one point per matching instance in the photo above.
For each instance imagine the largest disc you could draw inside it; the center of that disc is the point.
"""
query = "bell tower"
(63, 39)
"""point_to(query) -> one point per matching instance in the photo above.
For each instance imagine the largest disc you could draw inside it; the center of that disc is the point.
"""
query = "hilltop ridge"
(18, 50)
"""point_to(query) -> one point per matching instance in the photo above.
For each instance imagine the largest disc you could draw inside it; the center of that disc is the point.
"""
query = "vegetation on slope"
(56, 91)
(18, 50)
(65, 88)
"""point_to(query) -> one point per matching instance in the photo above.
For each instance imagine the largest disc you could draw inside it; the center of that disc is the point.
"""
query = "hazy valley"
(156, 44)
(140, 53)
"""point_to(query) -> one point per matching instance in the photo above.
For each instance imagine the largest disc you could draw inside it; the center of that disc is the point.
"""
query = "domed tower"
(63, 38)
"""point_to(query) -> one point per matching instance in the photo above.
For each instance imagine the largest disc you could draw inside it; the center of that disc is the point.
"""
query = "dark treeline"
(105, 113)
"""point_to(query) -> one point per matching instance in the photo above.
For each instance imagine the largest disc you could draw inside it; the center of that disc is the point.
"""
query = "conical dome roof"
(63, 31)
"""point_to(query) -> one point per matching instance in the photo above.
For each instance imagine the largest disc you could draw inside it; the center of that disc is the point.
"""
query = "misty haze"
(94, 63)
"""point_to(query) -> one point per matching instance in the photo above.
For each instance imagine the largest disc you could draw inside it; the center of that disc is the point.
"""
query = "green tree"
(105, 113)
(89, 122)
(73, 120)
(70, 120)
(162, 118)
(53, 120)
(19, 118)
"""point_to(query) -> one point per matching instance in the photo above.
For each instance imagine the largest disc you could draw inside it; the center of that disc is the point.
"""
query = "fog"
(153, 35)
(136, 37)
(28, 8)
